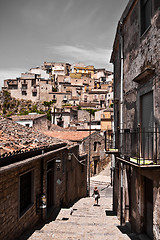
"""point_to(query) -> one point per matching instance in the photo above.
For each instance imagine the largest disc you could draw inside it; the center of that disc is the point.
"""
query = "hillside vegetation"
(11, 106)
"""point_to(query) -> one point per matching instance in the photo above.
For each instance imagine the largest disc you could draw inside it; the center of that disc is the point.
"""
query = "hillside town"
(66, 129)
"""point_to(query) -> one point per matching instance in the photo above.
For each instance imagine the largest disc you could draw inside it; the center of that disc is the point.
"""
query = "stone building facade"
(136, 59)
(37, 181)
(30, 86)
(34, 120)
(94, 146)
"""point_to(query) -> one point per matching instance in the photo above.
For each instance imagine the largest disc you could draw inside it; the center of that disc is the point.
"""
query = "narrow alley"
(87, 221)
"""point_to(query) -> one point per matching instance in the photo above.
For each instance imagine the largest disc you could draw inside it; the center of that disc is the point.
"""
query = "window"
(24, 93)
(85, 98)
(33, 82)
(34, 94)
(24, 86)
(146, 13)
(95, 146)
(26, 192)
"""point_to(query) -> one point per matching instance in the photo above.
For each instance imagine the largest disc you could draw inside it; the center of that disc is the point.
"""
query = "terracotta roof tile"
(68, 135)
(26, 117)
(14, 136)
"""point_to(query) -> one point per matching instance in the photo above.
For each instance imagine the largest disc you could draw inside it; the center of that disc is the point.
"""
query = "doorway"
(147, 123)
(148, 207)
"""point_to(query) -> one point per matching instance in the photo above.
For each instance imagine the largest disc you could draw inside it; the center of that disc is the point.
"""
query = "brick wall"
(11, 222)
(69, 183)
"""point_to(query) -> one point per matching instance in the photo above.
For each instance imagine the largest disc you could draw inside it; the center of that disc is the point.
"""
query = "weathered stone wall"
(140, 53)
(156, 213)
(137, 201)
(41, 123)
(116, 188)
(11, 223)
(69, 183)
(76, 182)
(83, 115)
(95, 154)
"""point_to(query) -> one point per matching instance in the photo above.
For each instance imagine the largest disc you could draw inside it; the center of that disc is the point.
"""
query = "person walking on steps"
(96, 195)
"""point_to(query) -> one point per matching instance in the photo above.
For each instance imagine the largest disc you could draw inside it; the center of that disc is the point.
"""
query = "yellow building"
(106, 120)
(82, 70)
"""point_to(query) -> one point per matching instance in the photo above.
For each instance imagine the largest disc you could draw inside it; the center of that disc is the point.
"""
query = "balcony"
(136, 146)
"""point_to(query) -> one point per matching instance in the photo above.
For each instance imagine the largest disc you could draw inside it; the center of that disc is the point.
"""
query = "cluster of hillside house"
(64, 84)
(72, 89)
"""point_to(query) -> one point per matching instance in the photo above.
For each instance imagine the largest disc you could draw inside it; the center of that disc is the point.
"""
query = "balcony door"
(147, 126)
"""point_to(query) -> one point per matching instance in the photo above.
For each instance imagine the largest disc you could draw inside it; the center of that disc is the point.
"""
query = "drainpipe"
(105, 140)
(121, 122)
(121, 90)
(121, 203)
(89, 158)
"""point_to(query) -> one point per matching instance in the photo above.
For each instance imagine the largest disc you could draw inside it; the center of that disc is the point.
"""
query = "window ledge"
(25, 211)
(144, 74)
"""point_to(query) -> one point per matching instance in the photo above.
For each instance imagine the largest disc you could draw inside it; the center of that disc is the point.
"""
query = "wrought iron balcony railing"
(139, 146)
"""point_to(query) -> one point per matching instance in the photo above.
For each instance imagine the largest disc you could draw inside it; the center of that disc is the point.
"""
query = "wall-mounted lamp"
(69, 156)
(58, 164)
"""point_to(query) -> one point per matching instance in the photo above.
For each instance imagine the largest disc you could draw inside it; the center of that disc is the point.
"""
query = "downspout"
(121, 205)
(121, 90)
(121, 122)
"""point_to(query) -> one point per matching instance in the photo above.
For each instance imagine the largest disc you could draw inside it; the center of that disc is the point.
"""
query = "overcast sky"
(34, 31)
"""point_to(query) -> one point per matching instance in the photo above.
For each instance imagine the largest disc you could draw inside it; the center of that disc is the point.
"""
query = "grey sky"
(33, 31)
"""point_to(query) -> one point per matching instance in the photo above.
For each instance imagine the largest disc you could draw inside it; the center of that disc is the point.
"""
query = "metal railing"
(140, 146)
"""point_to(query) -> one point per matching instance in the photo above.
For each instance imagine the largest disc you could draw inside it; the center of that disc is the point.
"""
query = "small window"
(24, 93)
(95, 146)
(26, 192)
(27, 124)
(33, 82)
(146, 14)
(34, 94)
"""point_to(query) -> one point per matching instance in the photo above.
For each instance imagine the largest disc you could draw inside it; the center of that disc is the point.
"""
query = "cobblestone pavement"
(87, 222)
